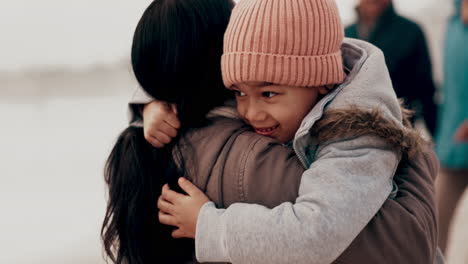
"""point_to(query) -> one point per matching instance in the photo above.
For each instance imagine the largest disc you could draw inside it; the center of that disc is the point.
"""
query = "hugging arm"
(332, 208)
(405, 229)
(254, 169)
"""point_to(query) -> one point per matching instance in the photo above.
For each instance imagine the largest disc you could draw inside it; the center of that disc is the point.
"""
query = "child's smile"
(268, 131)
(275, 110)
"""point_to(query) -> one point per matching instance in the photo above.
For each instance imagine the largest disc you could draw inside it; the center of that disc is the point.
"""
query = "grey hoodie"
(346, 182)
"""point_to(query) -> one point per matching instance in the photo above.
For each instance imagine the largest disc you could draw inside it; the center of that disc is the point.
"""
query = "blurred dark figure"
(406, 53)
(452, 124)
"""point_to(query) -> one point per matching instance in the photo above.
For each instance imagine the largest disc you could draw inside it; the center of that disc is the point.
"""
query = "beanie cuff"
(303, 71)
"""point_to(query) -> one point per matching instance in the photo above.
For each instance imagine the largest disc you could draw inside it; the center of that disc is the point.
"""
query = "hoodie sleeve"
(135, 106)
(405, 229)
(338, 196)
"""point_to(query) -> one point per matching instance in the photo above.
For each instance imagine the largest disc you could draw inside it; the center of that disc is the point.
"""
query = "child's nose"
(255, 113)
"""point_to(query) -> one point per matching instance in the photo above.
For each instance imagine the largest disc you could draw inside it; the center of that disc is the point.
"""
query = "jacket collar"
(366, 85)
(354, 57)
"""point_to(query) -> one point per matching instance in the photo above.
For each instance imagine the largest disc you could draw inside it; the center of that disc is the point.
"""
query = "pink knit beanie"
(287, 42)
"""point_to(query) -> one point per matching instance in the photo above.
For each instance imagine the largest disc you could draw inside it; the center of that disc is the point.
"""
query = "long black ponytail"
(176, 54)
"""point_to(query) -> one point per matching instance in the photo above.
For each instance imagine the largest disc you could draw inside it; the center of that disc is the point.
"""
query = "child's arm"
(338, 196)
(405, 228)
(256, 169)
(414, 208)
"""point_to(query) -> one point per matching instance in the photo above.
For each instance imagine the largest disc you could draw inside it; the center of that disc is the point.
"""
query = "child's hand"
(160, 123)
(180, 210)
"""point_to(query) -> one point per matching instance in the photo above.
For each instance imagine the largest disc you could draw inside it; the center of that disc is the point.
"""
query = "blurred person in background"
(453, 113)
(406, 54)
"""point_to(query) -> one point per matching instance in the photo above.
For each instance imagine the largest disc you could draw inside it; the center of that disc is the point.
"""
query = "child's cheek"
(240, 108)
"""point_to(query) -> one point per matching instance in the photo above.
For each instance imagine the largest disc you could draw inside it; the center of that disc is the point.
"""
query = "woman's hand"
(160, 123)
(180, 210)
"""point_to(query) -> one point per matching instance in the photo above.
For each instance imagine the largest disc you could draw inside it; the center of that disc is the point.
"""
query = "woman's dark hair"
(176, 52)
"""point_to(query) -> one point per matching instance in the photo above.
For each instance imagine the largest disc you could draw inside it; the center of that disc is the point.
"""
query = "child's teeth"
(266, 129)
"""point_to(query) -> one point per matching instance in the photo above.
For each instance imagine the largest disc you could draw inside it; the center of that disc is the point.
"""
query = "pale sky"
(79, 33)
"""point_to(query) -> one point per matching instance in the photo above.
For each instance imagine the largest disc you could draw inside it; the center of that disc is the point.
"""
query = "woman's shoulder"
(216, 129)
(223, 131)
(228, 149)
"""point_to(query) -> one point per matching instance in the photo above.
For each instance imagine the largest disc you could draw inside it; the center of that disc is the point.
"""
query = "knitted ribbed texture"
(288, 42)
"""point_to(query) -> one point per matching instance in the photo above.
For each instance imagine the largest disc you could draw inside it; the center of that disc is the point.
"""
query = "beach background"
(65, 79)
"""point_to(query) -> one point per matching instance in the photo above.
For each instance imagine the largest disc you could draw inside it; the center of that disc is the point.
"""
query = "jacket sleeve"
(261, 171)
(338, 195)
(404, 230)
(135, 106)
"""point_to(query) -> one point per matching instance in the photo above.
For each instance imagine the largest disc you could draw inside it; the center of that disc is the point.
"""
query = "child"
(297, 81)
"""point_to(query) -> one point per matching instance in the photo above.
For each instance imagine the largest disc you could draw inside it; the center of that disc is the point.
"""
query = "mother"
(175, 57)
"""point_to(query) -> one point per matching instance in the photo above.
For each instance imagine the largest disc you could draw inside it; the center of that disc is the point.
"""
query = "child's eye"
(269, 94)
(239, 93)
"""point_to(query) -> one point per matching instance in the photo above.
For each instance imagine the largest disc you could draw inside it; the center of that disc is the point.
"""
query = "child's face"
(275, 110)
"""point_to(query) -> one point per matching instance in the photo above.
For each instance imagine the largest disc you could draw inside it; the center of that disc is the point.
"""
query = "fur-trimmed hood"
(353, 122)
